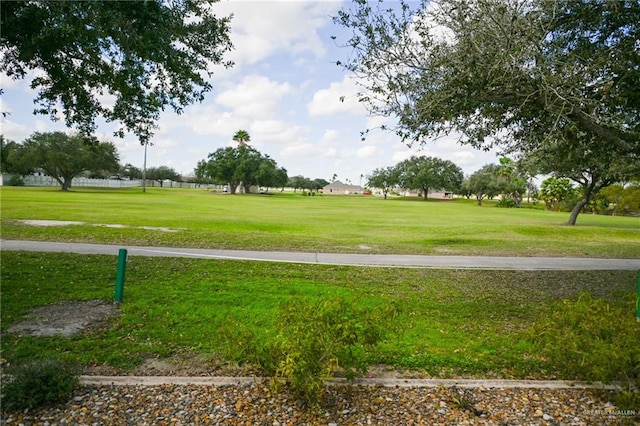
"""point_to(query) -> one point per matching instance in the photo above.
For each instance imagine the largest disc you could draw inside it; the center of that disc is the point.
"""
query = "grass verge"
(451, 322)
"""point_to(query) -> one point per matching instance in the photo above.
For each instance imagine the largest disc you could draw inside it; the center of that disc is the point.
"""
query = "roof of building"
(336, 184)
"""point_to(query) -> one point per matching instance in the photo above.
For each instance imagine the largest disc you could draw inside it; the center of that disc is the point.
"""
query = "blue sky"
(284, 89)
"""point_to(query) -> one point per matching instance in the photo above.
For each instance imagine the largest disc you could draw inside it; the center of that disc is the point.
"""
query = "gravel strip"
(255, 404)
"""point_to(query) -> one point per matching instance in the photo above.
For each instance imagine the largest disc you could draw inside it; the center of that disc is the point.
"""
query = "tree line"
(65, 156)
(509, 181)
(552, 83)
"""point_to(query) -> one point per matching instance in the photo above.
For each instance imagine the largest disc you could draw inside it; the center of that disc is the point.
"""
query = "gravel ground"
(344, 405)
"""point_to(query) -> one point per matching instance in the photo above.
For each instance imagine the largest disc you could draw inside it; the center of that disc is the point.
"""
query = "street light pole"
(144, 169)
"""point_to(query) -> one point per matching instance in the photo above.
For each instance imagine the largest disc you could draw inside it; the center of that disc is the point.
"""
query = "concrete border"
(399, 383)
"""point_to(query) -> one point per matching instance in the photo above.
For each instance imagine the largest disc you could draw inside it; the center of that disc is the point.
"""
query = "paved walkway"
(386, 260)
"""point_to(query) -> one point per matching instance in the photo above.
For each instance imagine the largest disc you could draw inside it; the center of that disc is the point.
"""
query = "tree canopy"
(64, 156)
(162, 173)
(424, 173)
(147, 55)
(383, 178)
(514, 74)
(244, 166)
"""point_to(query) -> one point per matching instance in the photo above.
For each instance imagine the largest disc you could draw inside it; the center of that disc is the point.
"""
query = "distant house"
(337, 187)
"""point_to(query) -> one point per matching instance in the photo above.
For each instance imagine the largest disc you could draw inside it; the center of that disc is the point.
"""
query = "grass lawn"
(450, 322)
(321, 223)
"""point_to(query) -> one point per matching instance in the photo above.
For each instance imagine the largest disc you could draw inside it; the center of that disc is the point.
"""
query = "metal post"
(638, 299)
(122, 264)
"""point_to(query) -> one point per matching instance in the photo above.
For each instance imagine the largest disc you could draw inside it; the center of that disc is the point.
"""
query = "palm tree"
(242, 137)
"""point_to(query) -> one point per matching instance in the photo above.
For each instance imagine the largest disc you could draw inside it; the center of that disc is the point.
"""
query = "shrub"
(313, 341)
(506, 203)
(38, 383)
(587, 339)
(15, 181)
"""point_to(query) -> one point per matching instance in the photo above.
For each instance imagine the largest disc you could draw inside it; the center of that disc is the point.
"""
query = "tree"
(623, 199)
(10, 158)
(515, 74)
(242, 137)
(242, 166)
(64, 156)
(592, 166)
(512, 182)
(484, 183)
(149, 55)
(424, 173)
(318, 183)
(130, 171)
(383, 178)
(296, 182)
(162, 173)
(556, 192)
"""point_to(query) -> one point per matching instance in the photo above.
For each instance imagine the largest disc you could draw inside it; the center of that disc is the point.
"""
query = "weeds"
(313, 342)
(588, 339)
(37, 383)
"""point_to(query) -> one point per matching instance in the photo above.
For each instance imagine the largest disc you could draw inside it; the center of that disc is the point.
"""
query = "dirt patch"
(104, 225)
(50, 222)
(65, 318)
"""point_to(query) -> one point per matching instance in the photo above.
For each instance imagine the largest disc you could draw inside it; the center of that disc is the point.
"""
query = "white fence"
(33, 180)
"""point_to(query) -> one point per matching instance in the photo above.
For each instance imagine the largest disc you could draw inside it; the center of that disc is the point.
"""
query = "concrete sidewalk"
(381, 260)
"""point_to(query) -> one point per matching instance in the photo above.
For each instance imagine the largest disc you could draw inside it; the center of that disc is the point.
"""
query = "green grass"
(321, 223)
(451, 322)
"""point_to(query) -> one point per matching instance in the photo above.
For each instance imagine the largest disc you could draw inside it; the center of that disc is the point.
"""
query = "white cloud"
(304, 149)
(275, 131)
(256, 96)
(329, 136)
(14, 131)
(260, 29)
(209, 120)
(340, 97)
(7, 82)
(369, 151)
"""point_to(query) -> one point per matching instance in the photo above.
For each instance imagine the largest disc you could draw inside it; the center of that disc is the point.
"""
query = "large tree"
(147, 55)
(383, 178)
(424, 173)
(510, 73)
(162, 173)
(64, 156)
(242, 166)
(591, 165)
(10, 161)
(483, 183)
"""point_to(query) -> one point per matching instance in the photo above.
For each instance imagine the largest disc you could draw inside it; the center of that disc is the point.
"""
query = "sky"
(285, 89)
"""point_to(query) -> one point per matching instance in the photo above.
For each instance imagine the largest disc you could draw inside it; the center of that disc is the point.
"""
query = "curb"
(398, 383)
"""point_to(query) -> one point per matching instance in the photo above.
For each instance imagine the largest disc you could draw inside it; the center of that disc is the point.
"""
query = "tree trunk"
(586, 197)
(576, 211)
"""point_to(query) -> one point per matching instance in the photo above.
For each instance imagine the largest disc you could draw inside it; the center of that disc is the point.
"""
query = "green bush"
(587, 339)
(38, 383)
(15, 181)
(506, 203)
(313, 342)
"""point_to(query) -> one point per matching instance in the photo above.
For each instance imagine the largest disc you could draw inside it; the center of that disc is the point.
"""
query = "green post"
(122, 266)
(638, 299)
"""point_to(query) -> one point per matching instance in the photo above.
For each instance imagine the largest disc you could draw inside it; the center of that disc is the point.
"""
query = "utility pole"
(144, 169)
